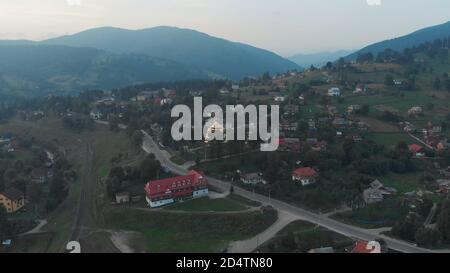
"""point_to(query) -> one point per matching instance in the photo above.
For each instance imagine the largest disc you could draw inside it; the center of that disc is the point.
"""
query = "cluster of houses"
(9, 145)
(13, 199)
(157, 97)
(431, 135)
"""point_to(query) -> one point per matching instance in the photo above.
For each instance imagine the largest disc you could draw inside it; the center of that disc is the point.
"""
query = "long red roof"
(179, 184)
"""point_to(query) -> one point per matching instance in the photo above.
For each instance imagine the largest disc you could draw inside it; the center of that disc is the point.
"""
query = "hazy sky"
(284, 26)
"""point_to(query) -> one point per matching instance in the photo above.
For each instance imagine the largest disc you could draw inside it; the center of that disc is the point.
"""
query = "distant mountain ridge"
(318, 59)
(416, 38)
(27, 70)
(112, 57)
(189, 47)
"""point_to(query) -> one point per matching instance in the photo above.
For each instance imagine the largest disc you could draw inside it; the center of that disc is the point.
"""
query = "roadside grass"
(187, 233)
(177, 160)
(301, 236)
(243, 200)
(98, 242)
(209, 205)
(402, 182)
(244, 163)
(33, 243)
(380, 215)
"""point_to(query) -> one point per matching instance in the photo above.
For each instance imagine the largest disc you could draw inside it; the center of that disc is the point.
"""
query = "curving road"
(150, 146)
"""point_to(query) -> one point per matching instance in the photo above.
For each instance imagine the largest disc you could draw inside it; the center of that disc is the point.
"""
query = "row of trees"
(149, 169)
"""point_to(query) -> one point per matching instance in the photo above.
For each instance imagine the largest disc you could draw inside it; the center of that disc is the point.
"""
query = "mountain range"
(416, 38)
(112, 57)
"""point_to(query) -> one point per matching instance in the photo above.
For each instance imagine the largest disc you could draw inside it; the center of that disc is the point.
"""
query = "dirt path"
(84, 201)
(248, 246)
(37, 229)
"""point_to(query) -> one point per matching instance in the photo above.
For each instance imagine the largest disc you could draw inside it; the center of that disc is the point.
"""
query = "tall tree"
(444, 221)
(4, 224)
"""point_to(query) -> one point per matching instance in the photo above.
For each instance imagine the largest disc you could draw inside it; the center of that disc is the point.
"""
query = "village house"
(340, 123)
(224, 91)
(407, 127)
(279, 99)
(398, 82)
(286, 126)
(12, 200)
(252, 179)
(359, 89)
(415, 111)
(334, 92)
(362, 126)
(171, 190)
(443, 186)
(377, 192)
(145, 96)
(362, 247)
(417, 150)
(302, 99)
(289, 145)
(332, 110)
(353, 108)
(323, 121)
(40, 175)
(372, 196)
(319, 146)
(311, 124)
(306, 176)
(291, 110)
(122, 198)
(95, 115)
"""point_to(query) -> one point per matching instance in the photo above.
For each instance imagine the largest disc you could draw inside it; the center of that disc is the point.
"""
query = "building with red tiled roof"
(167, 191)
(306, 176)
(364, 247)
(416, 149)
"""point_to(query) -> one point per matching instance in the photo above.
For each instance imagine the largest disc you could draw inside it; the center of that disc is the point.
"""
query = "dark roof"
(13, 194)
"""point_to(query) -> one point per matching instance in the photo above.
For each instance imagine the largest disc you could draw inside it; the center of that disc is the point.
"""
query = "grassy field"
(183, 232)
(391, 139)
(209, 205)
(402, 182)
(374, 216)
(35, 243)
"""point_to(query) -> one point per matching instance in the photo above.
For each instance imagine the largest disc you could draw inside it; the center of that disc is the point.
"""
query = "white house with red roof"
(171, 190)
(417, 150)
(306, 176)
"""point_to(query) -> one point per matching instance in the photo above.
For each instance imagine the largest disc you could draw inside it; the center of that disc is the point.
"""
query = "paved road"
(351, 231)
